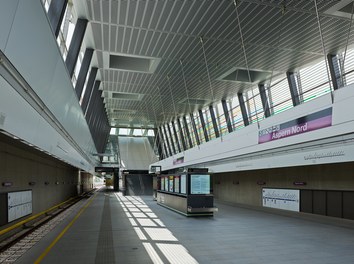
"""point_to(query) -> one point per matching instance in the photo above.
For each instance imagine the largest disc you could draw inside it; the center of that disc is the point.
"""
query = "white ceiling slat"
(170, 30)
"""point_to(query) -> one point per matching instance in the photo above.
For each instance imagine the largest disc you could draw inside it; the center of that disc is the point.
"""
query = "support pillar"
(264, 98)
(83, 72)
(56, 14)
(75, 45)
(187, 132)
(227, 116)
(213, 119)
(241, 101)
(294, 92)
(334, 71)
(203, 125)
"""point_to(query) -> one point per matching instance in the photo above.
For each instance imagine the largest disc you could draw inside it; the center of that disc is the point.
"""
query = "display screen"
(200, 184)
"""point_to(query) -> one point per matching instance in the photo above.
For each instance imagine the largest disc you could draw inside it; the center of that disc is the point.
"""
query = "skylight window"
(138, 132)
(124, 131)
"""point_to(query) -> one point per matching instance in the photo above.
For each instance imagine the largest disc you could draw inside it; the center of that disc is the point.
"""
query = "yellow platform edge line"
(4, 231)
(47, 250)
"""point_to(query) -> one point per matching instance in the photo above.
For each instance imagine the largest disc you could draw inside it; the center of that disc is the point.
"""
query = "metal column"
(167, 140)
(195, 129)
(335, 71)
(203, 125)
(83, 72)
(264, 98)
(176, 136)
(187, 132)
(241, 101)
(293, 88)
(181, 134)
(164, 142)
(158, 143)
(89, 88)
(171, 138)
(227, 116)
(213, 119)
(75, 45)
(56, 14)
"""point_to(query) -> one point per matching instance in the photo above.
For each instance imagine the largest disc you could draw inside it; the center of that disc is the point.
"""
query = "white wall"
(28, 42)
(136, 153)
(240, 150)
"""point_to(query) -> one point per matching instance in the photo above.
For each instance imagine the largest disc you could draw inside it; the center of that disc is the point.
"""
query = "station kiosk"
(188, 193)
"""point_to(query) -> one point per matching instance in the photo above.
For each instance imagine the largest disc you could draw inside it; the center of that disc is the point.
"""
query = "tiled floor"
(117, 229)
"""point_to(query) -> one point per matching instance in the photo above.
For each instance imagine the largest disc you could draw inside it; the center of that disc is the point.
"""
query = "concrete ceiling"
(278, 36)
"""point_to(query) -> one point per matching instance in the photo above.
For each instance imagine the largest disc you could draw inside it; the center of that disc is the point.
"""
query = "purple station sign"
(297, 126)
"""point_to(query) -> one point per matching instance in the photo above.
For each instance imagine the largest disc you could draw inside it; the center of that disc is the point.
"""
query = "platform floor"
(110, 228)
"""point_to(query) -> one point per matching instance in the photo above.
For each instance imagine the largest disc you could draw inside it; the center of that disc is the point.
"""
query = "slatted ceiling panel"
(170, 30)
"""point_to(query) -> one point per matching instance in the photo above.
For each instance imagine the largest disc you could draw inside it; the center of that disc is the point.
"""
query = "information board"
(162, 184)
(166, 184)
(183, 184)
(19, 204)
(286, 199)
(200, 184)
(170, 183)
(177, 184)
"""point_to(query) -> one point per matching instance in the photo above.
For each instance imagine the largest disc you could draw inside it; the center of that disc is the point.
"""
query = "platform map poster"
(200, 184)
(286, 199)
(19, 204)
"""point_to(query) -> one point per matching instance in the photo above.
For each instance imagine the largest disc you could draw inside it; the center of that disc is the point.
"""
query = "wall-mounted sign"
(179, 160)
(286, 199)
(297, 126)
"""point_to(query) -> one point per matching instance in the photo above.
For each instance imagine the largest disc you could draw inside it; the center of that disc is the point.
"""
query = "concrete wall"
(86, 181)
(28, 42)
(20, 164)
(241, 187)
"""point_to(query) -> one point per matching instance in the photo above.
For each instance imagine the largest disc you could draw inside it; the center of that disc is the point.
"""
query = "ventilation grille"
(341, 9)
(127, 96)
(245, 76)
(133, 63)
(194, 101)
